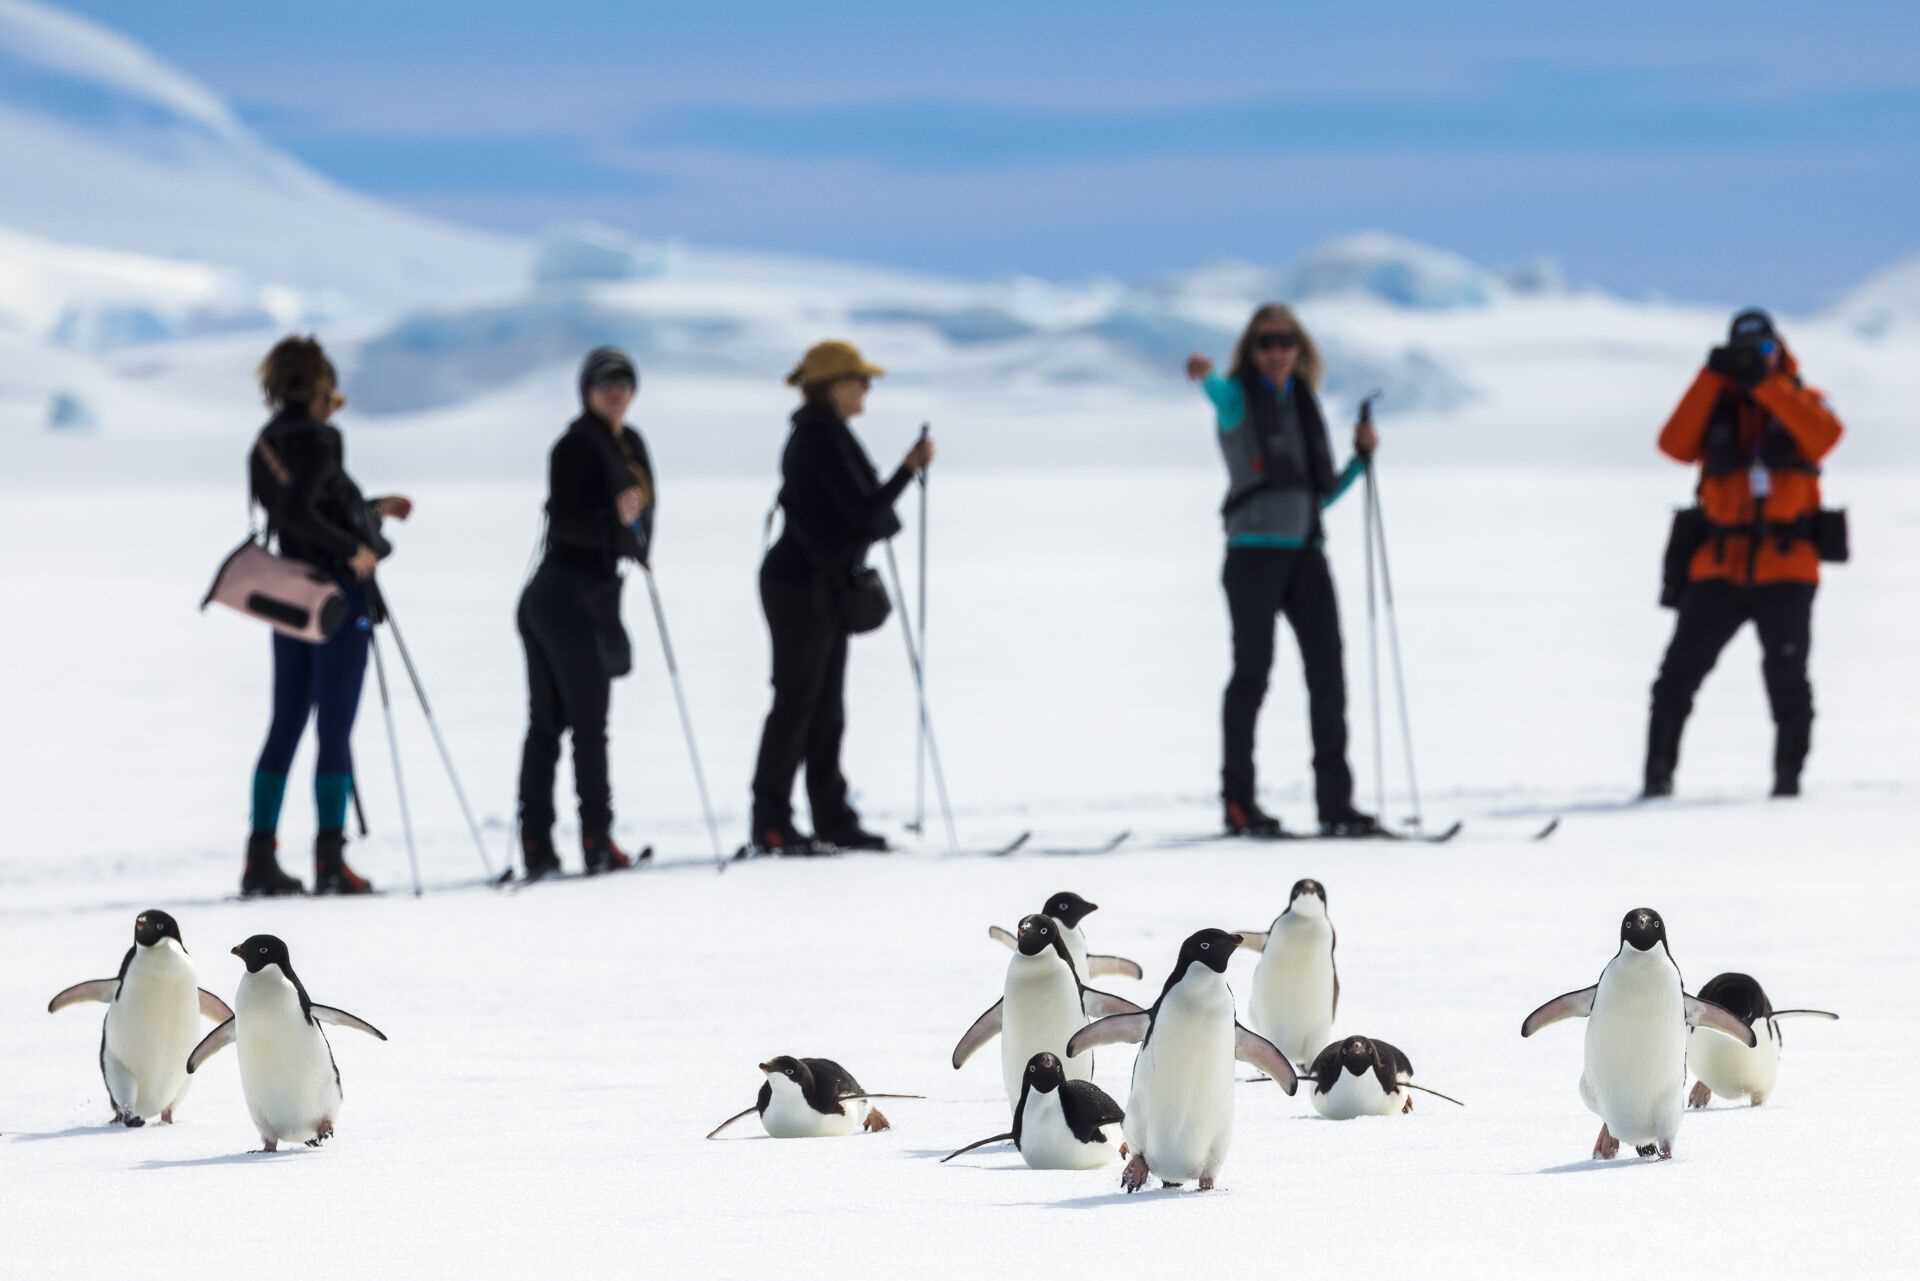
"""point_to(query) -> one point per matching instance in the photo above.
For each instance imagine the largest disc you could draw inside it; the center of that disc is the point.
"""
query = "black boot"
(1663, 755)
(1246, 818)
(1349, 822)
(602, 854)
(1790, 746)
(783, 839)
(263, 875)
(331, 875)
(851, 836)
(1786, 784)
(537, 855)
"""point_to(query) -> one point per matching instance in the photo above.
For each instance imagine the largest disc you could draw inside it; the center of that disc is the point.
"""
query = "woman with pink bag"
(319, 517)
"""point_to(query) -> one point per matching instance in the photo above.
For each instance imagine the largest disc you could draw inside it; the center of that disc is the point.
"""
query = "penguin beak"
(765, 1068)
(1238, 939)
(235, 949)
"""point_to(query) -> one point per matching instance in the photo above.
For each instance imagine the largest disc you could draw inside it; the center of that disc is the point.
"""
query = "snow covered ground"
(557, 1055)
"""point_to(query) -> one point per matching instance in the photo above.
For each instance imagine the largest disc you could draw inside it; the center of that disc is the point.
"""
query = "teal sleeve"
(1229, 401)
(1355, 468)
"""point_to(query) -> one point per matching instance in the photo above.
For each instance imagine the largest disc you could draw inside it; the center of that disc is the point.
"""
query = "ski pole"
(446, 758)
(1373, 633)
(393, 745)
(919, 823)
(920, 689)
(686, 720)
(1393, 639)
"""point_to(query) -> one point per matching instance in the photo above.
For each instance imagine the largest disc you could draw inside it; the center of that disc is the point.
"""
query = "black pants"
(1710, 614)
(809, 716)
(569, 686)
(1263, 583)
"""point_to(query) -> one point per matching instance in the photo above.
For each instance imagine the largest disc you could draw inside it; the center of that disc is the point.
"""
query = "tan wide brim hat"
(827, 361)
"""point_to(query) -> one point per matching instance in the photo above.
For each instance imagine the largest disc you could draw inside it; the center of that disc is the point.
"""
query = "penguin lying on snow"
(154, 1007)
(1364, 1076)
(1638, 1017)
(1044, 1002)
(808, 1098)
(287, 1070)
(1058, 1124)
(1067, 910)
(1296, 988)
(1179, 1119)
(1736, 1071)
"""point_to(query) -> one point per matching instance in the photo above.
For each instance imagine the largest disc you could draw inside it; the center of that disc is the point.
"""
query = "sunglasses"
(1277, 340)
(864, 381)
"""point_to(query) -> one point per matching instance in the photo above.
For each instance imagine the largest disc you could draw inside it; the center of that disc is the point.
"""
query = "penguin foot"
(321, 1133)
(1123, 1151)
(133, 1122)
(1606, 1147)
(268, 1145)
(1206, 1183)
(1645, 1149)
(1700, 1095)
(876, 1121)
(1134, 1177)
(1664, 1150)
(1407, 1106)
(1756, 1099)
(166, 1116)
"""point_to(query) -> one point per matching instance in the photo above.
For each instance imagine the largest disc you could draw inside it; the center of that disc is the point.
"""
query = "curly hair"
(296, 372)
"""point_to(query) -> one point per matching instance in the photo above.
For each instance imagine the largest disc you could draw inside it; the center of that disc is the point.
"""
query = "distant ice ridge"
(1884, 303)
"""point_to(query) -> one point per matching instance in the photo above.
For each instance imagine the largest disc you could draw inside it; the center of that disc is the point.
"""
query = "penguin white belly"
(790, 1116)
(1292, 999)
(1353, 1096)
(1636, 1050)
(1732, 1070)
(1180, 1109)
(1040, 1013)
(1046, 1142)
(286, 1067)
(152, 1028)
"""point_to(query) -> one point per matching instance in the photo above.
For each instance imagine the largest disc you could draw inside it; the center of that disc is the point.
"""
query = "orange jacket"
(1726, 491)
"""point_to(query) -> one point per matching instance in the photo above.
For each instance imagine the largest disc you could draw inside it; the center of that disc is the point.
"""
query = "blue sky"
(1704, 150)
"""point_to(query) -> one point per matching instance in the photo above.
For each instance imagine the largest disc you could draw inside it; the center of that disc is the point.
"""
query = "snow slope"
(557, 1055)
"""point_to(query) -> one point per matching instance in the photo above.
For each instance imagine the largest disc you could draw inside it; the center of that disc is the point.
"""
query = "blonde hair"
(1308, 368)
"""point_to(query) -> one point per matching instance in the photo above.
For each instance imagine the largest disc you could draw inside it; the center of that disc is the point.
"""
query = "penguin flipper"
(1409, 1085)
(214, 1042)
(999, 935)
(101, 990)
(995, 1138)
(1706, 1014)
(1811, 1014)
(1096, 1004)
(212, 1007)
(744, 1112)
(1113, 966)
(340, 1018)
(1251, 1047)
(984, 1029)
(1115, 1029)
(1253, 940)
(1568, 1005)
(1087, 1108)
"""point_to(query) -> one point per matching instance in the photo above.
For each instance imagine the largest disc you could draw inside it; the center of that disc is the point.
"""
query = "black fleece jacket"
(313, 506)
(586, 472)
(834, 503)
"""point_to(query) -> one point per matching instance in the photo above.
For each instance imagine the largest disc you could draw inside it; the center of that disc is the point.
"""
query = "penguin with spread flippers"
(1067, 910)
(1364, 1076)
(1727, 1068)
(1296, 986)
(1059, 1124)
(812, 1099)
(154, 1007)
(1638, 1017)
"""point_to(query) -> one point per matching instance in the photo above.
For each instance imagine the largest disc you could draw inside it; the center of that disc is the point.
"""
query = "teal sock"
(331, 792)
(269, 790)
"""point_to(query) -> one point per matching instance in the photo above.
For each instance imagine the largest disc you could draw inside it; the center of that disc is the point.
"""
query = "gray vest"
(1255, 508)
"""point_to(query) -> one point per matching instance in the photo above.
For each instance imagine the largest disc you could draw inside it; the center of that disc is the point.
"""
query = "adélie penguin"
(287, 1071)
(1058, 1124)
(1735, 1071)
(1364, 1076)
(1067, 910)
(1042, 1005)
(1296, 987)
(154, 1007)
(1638, 1017)
(1179, 1120)
(811, 1099)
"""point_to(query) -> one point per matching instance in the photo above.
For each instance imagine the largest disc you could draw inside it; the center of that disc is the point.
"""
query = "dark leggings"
(809, 715)
(569, 690)
(320, 682)
(1711, 613)
(1262, 584)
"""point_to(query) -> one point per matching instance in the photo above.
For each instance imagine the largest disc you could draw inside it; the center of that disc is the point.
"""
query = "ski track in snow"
(557, 1056)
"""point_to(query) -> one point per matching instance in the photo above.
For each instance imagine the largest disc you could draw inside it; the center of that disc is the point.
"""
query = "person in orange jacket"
(1758, 434)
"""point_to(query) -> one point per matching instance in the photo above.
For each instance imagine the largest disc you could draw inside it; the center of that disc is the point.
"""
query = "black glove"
(1742, 364)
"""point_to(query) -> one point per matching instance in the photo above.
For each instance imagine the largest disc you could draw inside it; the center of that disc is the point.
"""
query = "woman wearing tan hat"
(835, 507)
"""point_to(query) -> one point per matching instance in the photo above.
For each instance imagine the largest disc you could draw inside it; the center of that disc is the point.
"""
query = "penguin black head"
(153, 925)
(1037, 934)
(1740, 995)
(1069, 908)
(1642, 928)
(1308, 887)
(1044, 1073)
(1212, 948)
(1357, 1055)
(262, 950)
(791, 1068)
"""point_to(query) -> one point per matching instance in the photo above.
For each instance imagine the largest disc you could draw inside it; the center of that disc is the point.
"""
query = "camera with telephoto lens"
(366, 527)
(1746, 361)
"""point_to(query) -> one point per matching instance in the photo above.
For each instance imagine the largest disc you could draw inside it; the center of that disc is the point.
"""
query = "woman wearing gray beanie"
(600, 504)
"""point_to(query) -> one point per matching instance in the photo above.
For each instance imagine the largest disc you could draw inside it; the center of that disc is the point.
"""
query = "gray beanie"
(607, 365)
